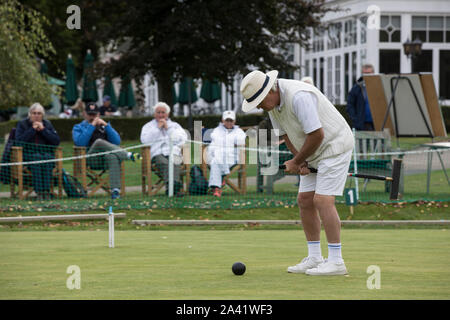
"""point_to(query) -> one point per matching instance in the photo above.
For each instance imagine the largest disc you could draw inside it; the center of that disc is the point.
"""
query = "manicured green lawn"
(197, 265)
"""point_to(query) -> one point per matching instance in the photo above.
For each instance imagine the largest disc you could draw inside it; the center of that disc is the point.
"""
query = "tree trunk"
(165, 90)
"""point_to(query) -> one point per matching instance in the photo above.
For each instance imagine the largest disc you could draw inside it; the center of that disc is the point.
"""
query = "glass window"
(321, 66)
(306, 68)
(334, 35)
(419, 22)
(436, 36)
(384, 36)
(350, 32)
(289, 53)
(390, 29)
(346, 74)
(362, 57)
(430, 29)
(444, 74)
(354, 64)
(436, 22)
(422, 35)
(389, 61)
(363, 29)
(337, 78)
(447, 28)
(330, 78)
(314, 67)
(396, 22)
(384, 21)
(436, 26)
(423, 62)
(395, 36)
(318, 40)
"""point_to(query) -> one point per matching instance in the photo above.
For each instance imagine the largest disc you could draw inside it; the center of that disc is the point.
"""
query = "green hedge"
(130, 128)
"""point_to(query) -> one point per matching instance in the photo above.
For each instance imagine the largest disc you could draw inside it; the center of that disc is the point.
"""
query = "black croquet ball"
(238, 268)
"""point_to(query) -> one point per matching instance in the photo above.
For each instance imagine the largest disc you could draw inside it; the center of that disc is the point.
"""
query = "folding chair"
(21, 176)
(240, 168)
(98, 179)
(149, 188)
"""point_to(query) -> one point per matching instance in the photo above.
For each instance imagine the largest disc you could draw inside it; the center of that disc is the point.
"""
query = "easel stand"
(394, 84)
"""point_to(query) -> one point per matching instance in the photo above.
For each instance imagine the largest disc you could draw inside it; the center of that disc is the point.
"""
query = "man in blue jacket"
(38, 139)
(358, 103)
(99, 136)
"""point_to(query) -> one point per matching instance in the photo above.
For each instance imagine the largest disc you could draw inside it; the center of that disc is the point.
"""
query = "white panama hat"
(255, 87)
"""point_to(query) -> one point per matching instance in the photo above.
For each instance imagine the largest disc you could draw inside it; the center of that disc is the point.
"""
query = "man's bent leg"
(329, 216)
(114, 171)
(309, 215)
(101, 145)
(311, 227)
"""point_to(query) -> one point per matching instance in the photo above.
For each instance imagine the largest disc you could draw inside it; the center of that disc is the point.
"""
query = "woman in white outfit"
(223, 152)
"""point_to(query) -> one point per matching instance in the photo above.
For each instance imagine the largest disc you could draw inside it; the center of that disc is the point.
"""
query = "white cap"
(229, 115)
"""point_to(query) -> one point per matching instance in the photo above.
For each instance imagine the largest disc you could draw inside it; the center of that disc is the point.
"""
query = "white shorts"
(330, 178)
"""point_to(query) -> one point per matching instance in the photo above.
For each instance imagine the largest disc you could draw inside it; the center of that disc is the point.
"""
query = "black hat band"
(259, 91)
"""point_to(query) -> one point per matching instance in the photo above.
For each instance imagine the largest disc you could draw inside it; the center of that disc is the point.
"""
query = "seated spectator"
(156, 133)
(99, 136)
(222, 152)
(107, 109)
(77, 108)
(308, 80)
(38, 139)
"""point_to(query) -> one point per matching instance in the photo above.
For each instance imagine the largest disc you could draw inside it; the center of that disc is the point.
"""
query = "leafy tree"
(94, 16)
(21, 39)
(210, 39)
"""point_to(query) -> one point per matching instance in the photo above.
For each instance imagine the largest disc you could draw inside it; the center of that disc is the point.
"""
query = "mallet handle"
(357, 175)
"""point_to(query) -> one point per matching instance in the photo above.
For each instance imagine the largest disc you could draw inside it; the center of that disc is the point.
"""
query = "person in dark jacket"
(358, 103)
(38, 139)
(107, 109)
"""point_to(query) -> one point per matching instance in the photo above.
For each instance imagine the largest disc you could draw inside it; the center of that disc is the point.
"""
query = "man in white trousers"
(320, 138)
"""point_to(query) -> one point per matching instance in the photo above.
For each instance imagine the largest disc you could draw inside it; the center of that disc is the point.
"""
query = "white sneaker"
(305, 264)
(328, 268)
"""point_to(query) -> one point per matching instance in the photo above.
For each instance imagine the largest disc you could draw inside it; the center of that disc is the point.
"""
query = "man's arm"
(82, 134)
(112, 135)
(289, 144)
(50, 134)
(23, 133)
(312, 142)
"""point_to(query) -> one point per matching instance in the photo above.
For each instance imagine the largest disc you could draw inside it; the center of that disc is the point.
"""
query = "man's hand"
(98, 122)
(293, 167)
(162, 123)
(38, 126)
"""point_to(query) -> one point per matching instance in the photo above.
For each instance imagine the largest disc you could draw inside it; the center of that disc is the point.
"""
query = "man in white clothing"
(320, 138)
(223, 152)
(156, 133)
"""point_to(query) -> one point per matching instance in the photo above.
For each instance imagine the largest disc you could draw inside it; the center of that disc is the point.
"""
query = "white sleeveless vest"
(338, 136)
